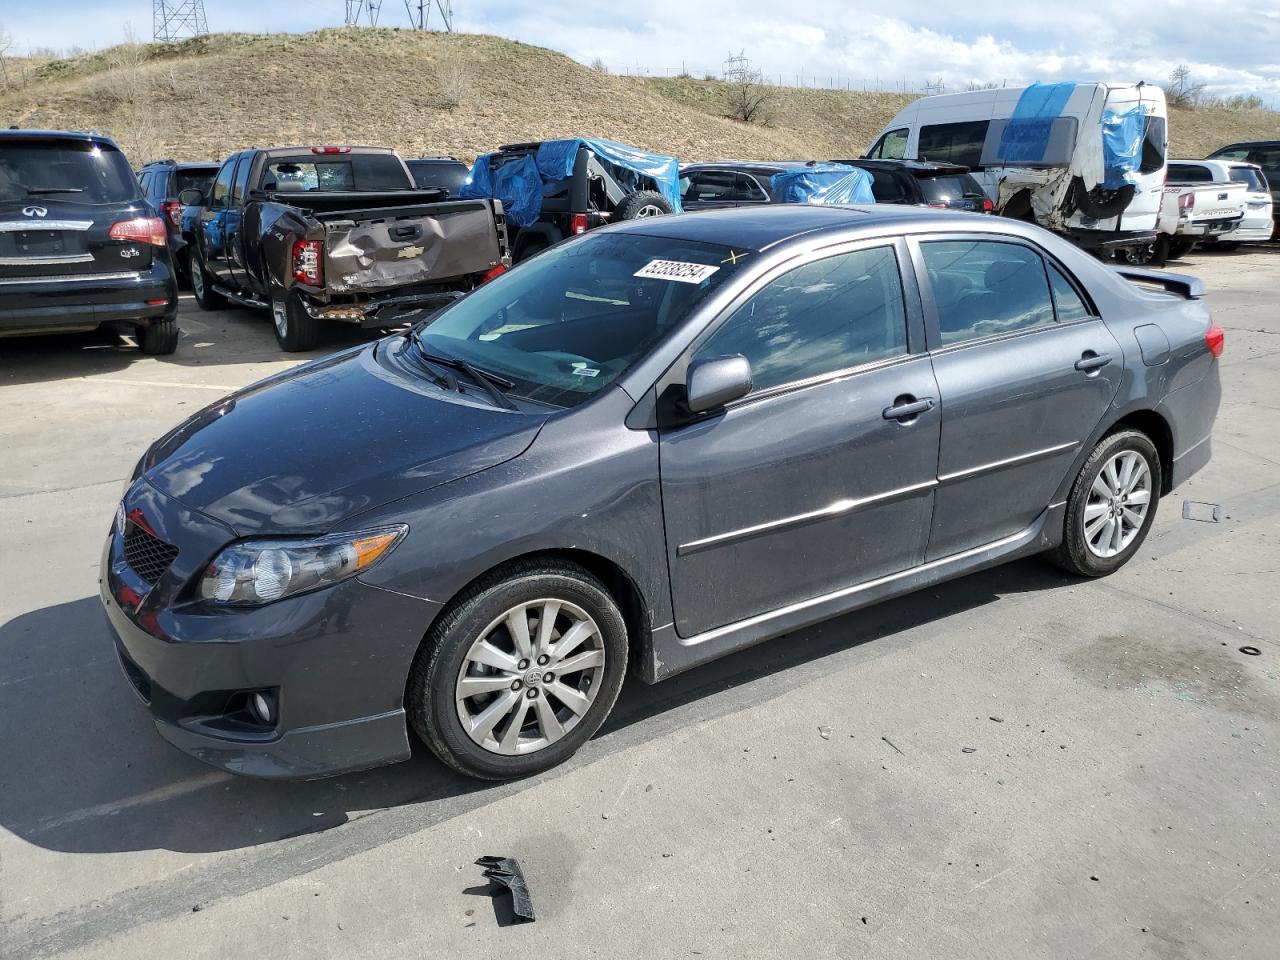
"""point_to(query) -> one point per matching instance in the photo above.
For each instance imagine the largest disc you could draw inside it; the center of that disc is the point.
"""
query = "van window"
(1155, 138)
(1189, 173)
(891, 146)
(953, 142)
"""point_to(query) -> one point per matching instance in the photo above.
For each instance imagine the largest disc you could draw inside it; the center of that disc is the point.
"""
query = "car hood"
(301, 451)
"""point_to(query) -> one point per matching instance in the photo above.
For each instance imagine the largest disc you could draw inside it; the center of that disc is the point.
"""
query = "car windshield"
(79, 170)
(567, 323)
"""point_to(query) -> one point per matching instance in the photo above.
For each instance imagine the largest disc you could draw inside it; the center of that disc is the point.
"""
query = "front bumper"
(55, 304)
(335, 661)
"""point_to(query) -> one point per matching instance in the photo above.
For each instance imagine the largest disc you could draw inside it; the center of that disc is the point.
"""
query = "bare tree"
(6, 44)
(599, 66)
(453, 82)
(128, 84)
(749, 98)
(1182, 90)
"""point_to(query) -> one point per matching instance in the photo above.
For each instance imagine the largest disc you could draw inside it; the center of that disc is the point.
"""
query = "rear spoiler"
(1184, 285)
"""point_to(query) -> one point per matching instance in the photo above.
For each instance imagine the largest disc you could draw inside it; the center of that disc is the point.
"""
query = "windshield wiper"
(37, 191)
(492, 384)
(441, 377)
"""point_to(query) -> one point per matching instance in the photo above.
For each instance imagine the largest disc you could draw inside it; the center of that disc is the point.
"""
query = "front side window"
(959, 143)
(569, 322)
(222, 185)
(832, 314)
(1155, 140)
(984, 288)
(891, 146)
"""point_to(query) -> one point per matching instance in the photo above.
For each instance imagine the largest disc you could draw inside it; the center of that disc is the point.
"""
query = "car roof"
(184, 165)
(912, 166)
(753, 166)
(84, 137)
(1245, 143)
(762, 227)
(433, 160)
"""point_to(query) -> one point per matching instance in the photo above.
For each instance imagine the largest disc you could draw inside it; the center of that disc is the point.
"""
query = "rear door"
(807, 485)
(1026, 370)
(720, 189)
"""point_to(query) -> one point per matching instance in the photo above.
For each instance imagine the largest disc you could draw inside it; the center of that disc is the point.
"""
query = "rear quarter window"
(76, 170)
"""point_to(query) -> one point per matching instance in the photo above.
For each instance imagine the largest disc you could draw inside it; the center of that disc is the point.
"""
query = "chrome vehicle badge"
(34, 212)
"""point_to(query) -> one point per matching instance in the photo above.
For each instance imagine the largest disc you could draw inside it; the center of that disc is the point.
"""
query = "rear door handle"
(907, 408)
(1092, 361)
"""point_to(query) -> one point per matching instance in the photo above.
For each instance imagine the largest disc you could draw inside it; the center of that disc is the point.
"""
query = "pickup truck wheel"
(159, 338)
(296, 330)
(644, 204)
(202, 286)
(1180, 248)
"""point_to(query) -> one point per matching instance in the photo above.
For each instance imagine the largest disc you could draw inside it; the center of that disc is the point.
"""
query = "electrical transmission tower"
(176, 19)
(420, 13)
(368, 9)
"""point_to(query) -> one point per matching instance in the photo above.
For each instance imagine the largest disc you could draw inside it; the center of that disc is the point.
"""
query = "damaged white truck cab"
(1085, 160)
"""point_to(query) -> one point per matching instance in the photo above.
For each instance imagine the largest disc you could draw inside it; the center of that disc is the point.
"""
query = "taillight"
(493, 273)
(938, 204)
(173, 210)
(1215, 338)
(330, 149)
(1187, 202)
(140, 230)
(987, 205)
(308, 268)
(578, 223)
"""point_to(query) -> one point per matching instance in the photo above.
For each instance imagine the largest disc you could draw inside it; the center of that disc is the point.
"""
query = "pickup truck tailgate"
(380, 249)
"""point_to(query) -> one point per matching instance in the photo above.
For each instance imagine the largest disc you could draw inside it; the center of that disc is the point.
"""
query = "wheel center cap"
(533, 678)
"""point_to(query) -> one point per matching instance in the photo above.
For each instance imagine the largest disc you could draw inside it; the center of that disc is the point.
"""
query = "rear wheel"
(644, 204)
(1112, 505)
(296, 330)
(520, 671)
(159, 338)
(202, 285)
(1180, 248)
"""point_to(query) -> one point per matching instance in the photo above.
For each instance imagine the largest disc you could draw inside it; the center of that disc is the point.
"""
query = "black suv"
(1266, 154)
(925, 183)
(79, 244)
(438, 173)
(162, 181)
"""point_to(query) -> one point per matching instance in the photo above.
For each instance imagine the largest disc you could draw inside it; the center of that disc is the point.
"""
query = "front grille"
(147, 554)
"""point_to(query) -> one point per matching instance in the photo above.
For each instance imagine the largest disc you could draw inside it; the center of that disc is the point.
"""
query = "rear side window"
(76, 170)
(443, 176)
(722, 185)
(1066, 300)
(887, 187)
(984, 288)
(891, 146)
(1189, 173)
(1250, 177)
(959, 143)
(946, 189)
(839, 312)
(1155, 139)
(309, 173)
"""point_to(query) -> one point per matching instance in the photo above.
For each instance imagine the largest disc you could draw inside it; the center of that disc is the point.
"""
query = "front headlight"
(260, 571)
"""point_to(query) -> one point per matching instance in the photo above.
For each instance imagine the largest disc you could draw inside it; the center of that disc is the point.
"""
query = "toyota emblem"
(34, 212)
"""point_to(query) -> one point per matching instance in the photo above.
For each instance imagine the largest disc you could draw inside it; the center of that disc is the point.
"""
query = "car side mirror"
(715, 381)
(191, 197)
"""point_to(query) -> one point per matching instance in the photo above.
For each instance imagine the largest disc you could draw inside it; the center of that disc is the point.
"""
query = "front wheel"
(202, 285)
(520, 671)
(1111, 506)
(158, 338)
(296, 330)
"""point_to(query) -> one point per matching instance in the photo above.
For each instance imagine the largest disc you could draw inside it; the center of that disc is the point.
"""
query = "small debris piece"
(996, 719)
(1201, 512)
(1251, 651)
(1094, 879)
(968, 749)
(196, 908)
(824, 733)
(506, 871)
(892, 744)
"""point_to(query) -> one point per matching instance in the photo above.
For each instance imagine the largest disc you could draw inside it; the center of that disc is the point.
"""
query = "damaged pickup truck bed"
(337, 233)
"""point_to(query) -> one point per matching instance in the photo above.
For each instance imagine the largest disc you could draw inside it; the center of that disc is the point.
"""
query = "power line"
(176, 19)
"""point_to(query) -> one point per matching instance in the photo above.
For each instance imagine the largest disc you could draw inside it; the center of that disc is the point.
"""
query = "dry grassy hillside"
(448, 93)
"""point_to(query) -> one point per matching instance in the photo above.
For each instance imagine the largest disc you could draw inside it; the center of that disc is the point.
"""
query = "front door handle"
(907, 408)
(1090, 361)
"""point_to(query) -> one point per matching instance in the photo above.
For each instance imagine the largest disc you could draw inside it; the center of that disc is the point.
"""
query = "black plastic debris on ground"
(506, 872)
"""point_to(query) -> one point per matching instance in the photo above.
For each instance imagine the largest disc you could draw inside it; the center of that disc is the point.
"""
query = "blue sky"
(1232, 45)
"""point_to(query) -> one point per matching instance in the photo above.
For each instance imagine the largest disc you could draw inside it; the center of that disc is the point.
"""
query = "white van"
(1086, 160)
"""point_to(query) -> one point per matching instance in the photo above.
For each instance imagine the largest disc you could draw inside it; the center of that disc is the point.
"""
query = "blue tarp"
(521, 183)
(1026, 133)
(825, 183)
(1122, 135)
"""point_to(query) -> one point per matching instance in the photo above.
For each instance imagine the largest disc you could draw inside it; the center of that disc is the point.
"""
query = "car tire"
(1090, 547)
(159, 338)
(295, 329)
(1151, 254)
(1180, 248)
(643, 204)
(435, 702)
(1226, 245)
(202, 285)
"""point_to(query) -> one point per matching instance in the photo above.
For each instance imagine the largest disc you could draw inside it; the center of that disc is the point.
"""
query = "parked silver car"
(653, 445)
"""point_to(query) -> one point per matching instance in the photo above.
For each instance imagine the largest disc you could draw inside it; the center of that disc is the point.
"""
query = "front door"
(1026, 371)
(823, 476)
(213, 223)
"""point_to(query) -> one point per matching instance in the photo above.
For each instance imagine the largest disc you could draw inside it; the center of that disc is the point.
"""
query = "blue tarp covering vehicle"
(1026, 135)
(1121, 146)
(826, 183)
(522, 180)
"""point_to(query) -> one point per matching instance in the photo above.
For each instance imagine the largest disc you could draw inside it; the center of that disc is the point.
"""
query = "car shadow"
(86, 772)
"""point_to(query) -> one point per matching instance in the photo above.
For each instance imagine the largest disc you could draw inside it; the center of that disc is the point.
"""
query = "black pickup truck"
(337, 233)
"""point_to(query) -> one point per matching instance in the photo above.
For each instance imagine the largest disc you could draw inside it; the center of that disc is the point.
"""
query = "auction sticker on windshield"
(676, 270)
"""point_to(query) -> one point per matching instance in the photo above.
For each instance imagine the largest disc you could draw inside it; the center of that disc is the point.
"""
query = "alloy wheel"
(530, 677)
(650, 210)
(1118, 503)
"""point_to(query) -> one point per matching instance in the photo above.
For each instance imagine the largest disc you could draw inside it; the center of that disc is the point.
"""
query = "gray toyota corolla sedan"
(647, 447)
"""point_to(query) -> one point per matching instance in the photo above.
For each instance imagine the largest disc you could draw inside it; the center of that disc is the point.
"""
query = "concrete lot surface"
(1014, 765)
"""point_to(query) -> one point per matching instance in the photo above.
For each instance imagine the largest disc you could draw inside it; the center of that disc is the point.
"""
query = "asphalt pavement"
(1016, 764)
